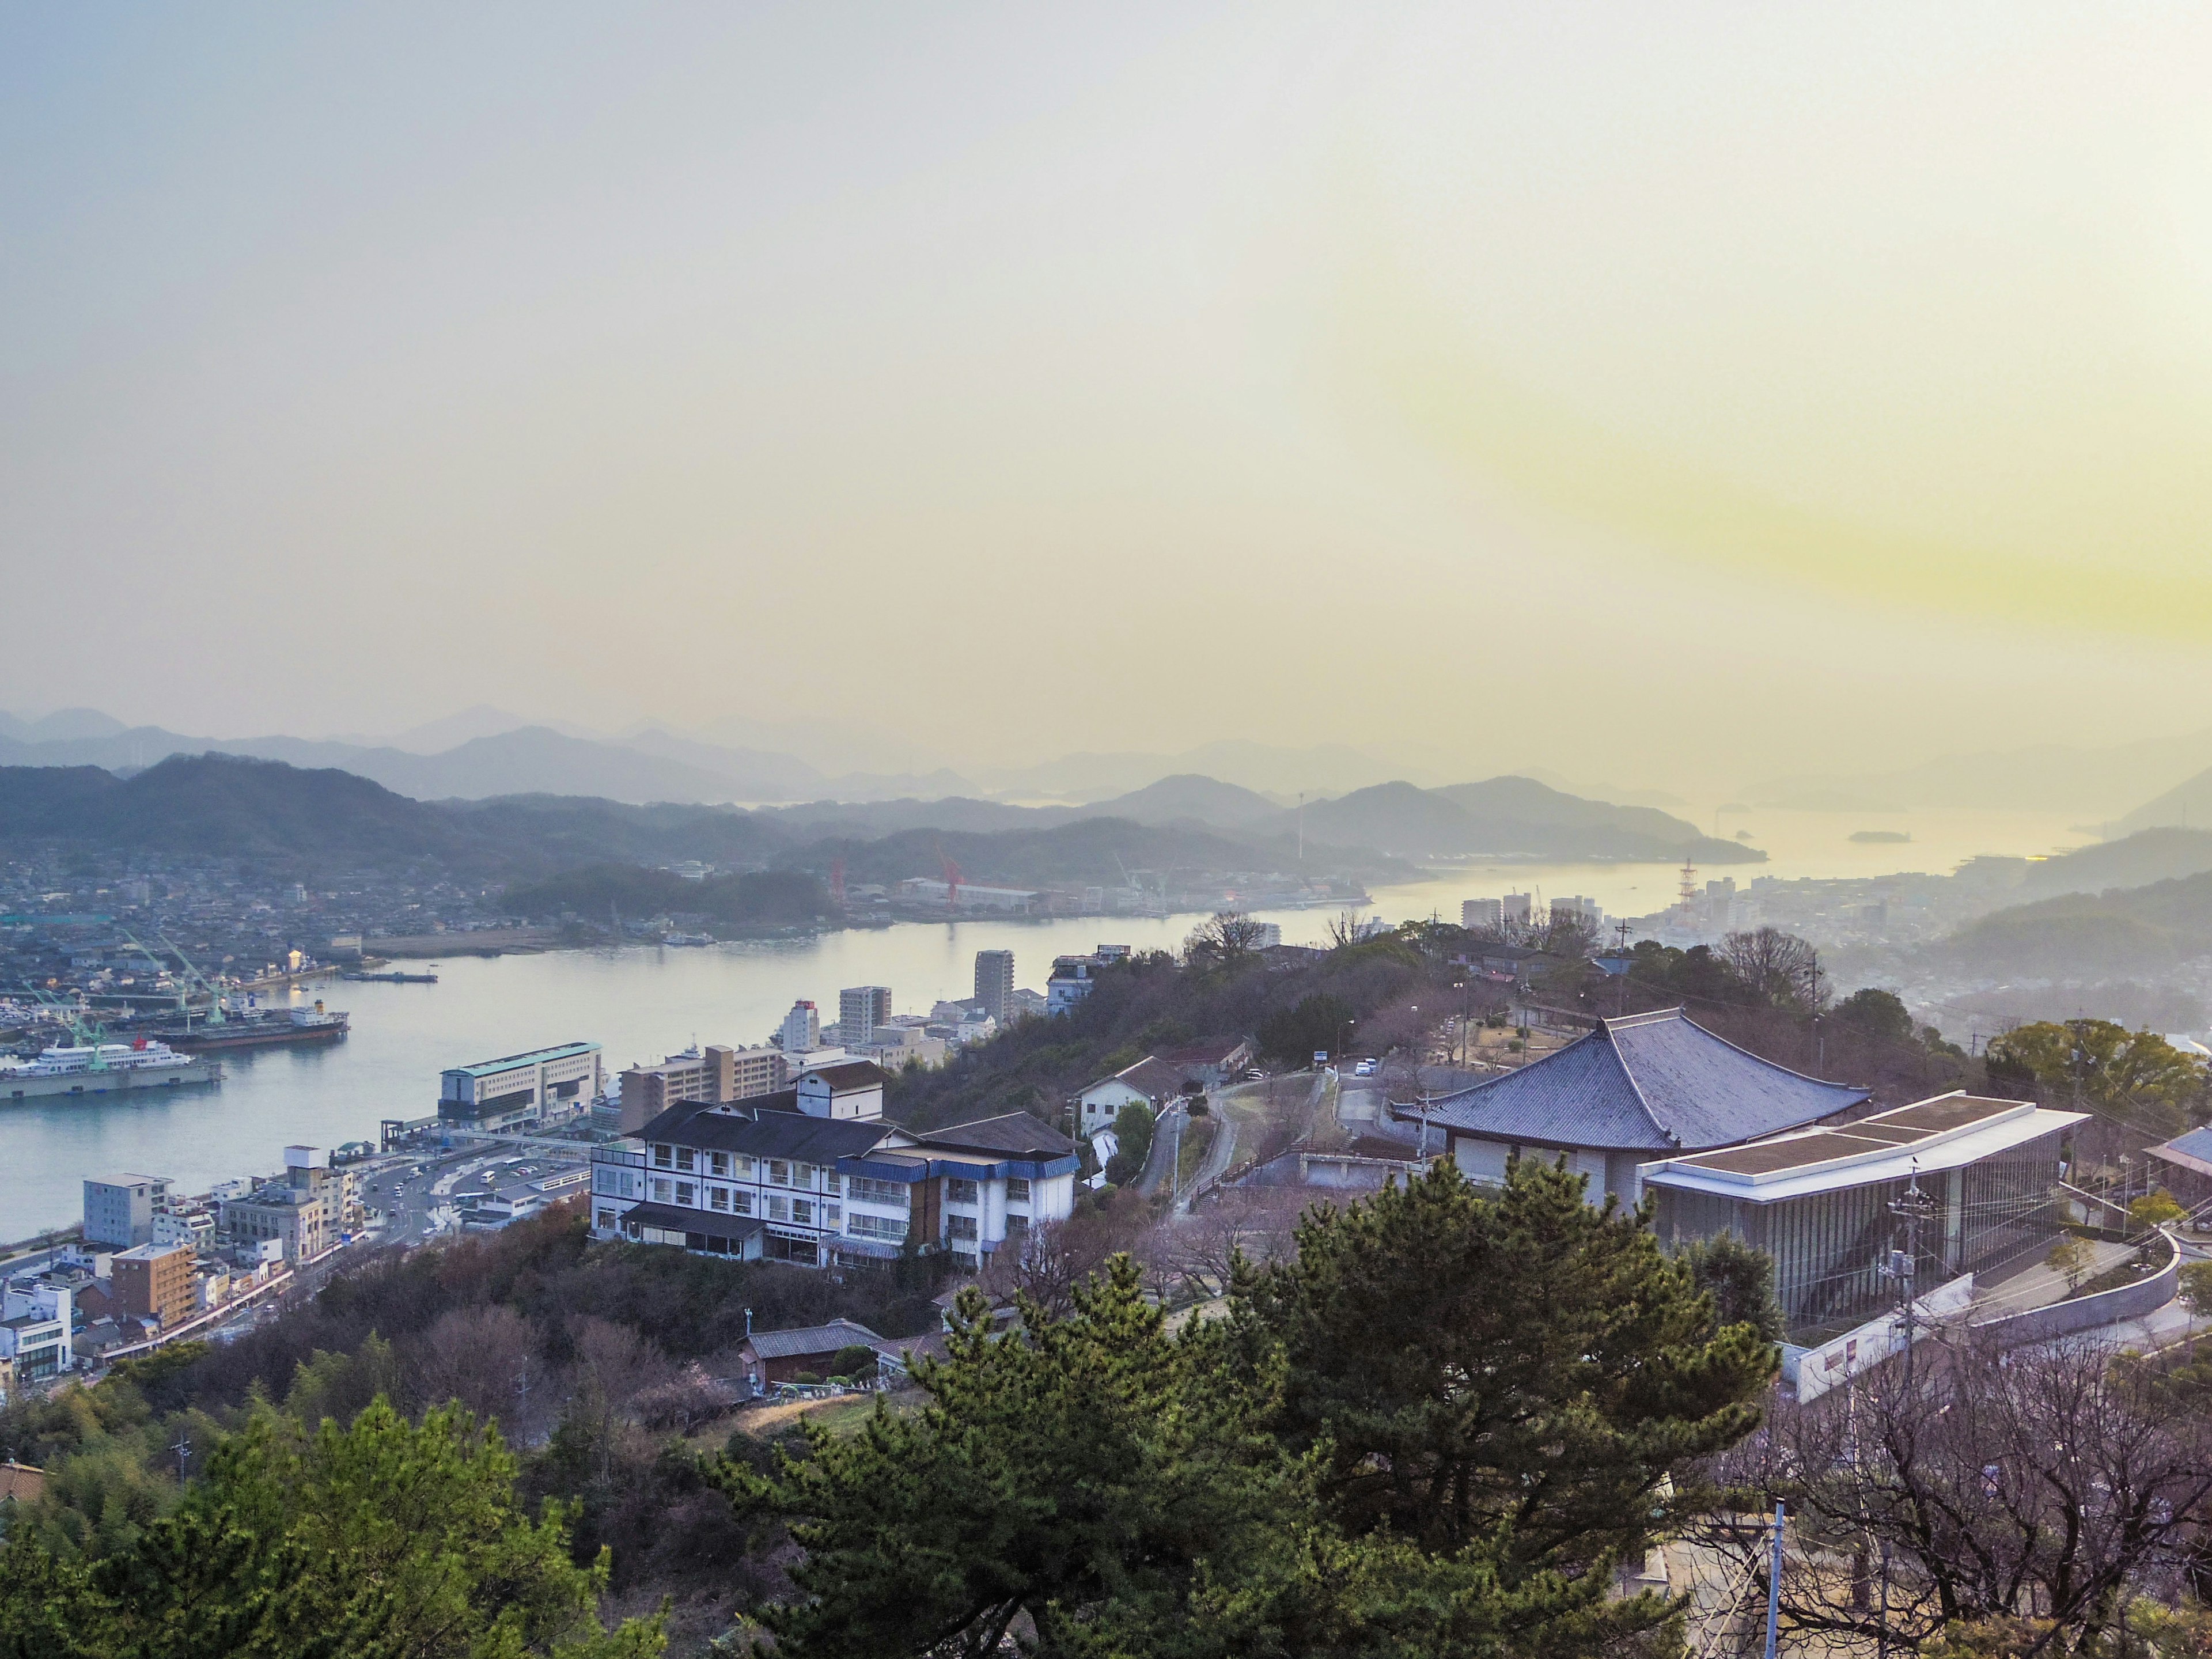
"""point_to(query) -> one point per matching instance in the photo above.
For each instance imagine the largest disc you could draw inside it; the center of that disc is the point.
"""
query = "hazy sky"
(1709, 393)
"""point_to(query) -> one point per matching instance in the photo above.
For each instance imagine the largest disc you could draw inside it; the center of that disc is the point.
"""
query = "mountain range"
(651, 764)
(226, 805)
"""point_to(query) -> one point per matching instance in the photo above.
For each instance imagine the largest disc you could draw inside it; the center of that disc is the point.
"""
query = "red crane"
(837, 883)
(952, 882)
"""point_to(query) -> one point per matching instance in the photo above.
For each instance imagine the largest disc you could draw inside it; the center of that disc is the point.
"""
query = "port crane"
(952, 882)
(194, 980)
(84, 1032)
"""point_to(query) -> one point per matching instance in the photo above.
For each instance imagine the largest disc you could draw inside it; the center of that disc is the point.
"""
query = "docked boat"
(103, 1068)
(263, 1028)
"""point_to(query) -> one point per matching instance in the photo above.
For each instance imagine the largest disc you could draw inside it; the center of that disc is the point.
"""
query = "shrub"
(855, 1363)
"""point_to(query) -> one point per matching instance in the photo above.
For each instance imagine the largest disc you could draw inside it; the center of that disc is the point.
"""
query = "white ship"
(103, 1068)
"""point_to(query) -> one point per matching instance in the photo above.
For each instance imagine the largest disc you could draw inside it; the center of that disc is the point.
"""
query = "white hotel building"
(814, 1175)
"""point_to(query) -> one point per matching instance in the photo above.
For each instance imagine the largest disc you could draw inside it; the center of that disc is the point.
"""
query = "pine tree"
(1467, 1362)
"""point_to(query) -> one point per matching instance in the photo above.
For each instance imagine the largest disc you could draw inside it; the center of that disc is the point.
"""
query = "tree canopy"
(382, 1539)
(1376, 1452)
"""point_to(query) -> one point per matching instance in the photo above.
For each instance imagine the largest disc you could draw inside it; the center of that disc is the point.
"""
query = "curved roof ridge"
(1649, 1017)
(1803, 1077)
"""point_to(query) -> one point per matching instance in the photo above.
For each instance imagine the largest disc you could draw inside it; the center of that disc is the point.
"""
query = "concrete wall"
(2146, 1295)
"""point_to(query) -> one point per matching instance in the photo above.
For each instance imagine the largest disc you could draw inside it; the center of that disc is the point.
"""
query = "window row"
(777, 1172)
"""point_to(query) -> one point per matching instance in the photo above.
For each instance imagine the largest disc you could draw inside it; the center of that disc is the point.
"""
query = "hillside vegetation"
(2122, 930)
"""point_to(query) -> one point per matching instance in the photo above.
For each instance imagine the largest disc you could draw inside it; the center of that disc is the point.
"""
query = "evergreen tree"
(1093, 1487)
(1467, 1363)
(380, 1541)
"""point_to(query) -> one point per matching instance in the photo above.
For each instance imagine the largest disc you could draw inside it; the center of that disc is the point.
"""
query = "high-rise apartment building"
(1478, 914)
(801, 1030)
(860, 1008)
(994, 982)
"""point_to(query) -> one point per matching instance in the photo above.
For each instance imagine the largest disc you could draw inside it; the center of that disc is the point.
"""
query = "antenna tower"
(1689, 893)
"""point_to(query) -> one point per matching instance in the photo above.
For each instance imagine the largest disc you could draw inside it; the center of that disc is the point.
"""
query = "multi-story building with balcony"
(779, 1178)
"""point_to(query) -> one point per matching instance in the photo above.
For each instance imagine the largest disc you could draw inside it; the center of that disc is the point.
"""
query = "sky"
(1662, 393)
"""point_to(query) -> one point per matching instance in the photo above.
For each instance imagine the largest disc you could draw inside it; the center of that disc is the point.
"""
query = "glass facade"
(1829, 1247)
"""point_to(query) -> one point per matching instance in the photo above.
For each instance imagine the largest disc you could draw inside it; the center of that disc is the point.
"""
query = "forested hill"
(2120, 931)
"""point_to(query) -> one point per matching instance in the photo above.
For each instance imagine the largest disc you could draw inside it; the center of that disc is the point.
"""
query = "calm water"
(640, 1003)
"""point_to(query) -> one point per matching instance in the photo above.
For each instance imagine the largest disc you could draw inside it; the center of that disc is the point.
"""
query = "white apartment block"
(779, 1178)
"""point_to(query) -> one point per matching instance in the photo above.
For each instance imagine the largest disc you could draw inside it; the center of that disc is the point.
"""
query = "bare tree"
(2045, 1484)
(1778, 968)
(1046, 1263)
(1227, 940)
(487, 1358)
(1258, 1224)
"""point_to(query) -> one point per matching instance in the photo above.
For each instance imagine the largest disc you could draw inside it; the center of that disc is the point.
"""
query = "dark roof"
(1215, 1051)
(1150, 1076)
(849, 1074)
(672, 1218)
(812, 1339)
(772, 1134)
(1015, 1132)
(2191, 1151)
(1656, 1082)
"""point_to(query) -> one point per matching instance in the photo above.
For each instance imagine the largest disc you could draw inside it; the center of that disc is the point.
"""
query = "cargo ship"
(262, 1028)
(103, 1068)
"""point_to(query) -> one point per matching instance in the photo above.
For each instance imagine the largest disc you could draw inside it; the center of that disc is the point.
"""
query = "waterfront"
(640, 1003)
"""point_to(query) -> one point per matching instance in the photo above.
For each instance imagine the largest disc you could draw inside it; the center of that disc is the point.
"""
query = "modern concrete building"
(119, 1209)
(305, 1211)
(1071, 980)
(36, 1322)
(801, 1030)
(994, 982)
(518, 1090)
(1478, 914)
(155, 1281)
(860, 1008)
(1819, 1201)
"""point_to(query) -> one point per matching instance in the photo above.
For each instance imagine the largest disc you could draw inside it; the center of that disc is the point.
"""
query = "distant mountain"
(223, 805)
(63, 726)
(1089, 851)
(1190, 797)
(1090, 778)
(1511, 815)
(2147, 856)
(2097, 782)
(2187, 803)
(312, 819)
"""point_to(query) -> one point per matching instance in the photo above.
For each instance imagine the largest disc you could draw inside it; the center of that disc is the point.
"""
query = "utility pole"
(1913, 1207)
(1774, 1584)
(184, 1451)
